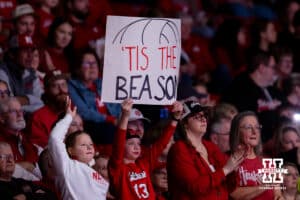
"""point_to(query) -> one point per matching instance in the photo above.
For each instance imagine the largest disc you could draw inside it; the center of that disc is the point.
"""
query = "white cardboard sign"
(141, 60)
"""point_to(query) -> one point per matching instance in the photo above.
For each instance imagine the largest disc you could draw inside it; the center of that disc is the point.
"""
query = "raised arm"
(120, 137)
(158, 147)
(56, 143)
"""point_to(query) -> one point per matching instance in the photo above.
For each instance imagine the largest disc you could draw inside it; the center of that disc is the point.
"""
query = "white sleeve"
(56, 145)
(20, 172)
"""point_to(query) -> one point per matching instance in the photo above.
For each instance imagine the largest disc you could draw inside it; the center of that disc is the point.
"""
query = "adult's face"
(223, 136)
(63, 35)
(26, 25)
(80, 9)
(89, 68)
(58, 92)
(269, 72)
(25, 57)
(290, 140)
(13, 118)
(7, 162)
(285, 65)
(250, 131)
(197, 123)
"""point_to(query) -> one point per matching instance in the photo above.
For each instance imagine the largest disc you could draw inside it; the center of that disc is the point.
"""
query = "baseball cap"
(53, 76)
(191, 108)
(21, 10)
(135, 114)
(132, 134)
(21, 41)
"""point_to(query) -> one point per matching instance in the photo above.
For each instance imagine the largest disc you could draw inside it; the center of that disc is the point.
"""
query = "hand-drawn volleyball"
(145, 31)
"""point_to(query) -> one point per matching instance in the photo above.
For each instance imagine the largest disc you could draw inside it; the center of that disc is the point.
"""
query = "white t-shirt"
(76, 180)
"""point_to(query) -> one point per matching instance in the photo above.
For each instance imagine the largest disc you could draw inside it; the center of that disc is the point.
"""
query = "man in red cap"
(17, 72)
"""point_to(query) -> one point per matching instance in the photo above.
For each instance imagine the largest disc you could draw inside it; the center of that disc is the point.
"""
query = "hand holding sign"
(141, 60)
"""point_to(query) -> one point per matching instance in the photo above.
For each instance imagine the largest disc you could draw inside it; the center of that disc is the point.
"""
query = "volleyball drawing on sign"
(141, 60)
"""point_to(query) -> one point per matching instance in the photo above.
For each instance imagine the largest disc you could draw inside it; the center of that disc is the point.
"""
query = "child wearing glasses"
(128, 169)
(245, 133)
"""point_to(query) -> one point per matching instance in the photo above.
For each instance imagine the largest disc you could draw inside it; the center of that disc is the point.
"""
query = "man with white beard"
(12, 123)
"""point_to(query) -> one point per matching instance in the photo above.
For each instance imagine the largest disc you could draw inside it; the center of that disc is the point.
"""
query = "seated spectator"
(4, 92)
(85, 92)
(78, 12)
(225, 110)
(195, 51)
(291, 89)
(196, 168)
(284, 67)
(11, 125)
(59, 46)
(254, 91)
(219, 133)
(263, 36)
(24, 20)
(45, 13)
(129, 170)
(42, 120)
(286, 137)
(46, 166)
(228, 47)
(290, 182)
(71, 157)
(16, 188)
(17, 72)
(159, 179)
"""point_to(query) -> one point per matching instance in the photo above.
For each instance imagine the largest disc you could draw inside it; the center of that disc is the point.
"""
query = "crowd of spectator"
(238, 101)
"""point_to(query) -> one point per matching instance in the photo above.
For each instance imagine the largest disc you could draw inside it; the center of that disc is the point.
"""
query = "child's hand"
(177, 110)
(126, 107)
(70, 111)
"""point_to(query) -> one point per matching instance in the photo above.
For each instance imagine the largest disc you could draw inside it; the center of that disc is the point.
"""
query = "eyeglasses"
(4, 92)
(6, 157)
(250, 127)
(199, 116)
(89, 64)
(15, 112)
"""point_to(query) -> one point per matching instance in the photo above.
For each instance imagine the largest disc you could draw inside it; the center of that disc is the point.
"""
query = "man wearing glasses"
(12, 123)
(16, 188)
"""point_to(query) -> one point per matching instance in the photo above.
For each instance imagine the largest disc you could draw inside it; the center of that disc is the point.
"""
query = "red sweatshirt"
(132, 181)
(190, 177)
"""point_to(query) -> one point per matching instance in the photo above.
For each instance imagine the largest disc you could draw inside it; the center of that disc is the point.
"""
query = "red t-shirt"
(41, 124)
(22, 149)
(247, 175)
(44, 21)
(60, 61)
(132, 181)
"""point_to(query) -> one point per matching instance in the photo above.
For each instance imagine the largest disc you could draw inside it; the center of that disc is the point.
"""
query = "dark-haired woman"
(196, 168)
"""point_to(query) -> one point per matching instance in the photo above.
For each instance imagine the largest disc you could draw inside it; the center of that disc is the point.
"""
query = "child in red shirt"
(130, 173)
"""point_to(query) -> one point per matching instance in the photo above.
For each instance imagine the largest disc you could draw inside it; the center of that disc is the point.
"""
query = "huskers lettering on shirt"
(139, 183)
(248, 176)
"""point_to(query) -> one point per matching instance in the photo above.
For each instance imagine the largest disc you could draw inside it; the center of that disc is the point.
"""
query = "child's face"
(83, 149)
(101, 167)
(132, 148)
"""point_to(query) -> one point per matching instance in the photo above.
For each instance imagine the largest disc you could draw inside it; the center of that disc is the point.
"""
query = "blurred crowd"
(238, 102)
